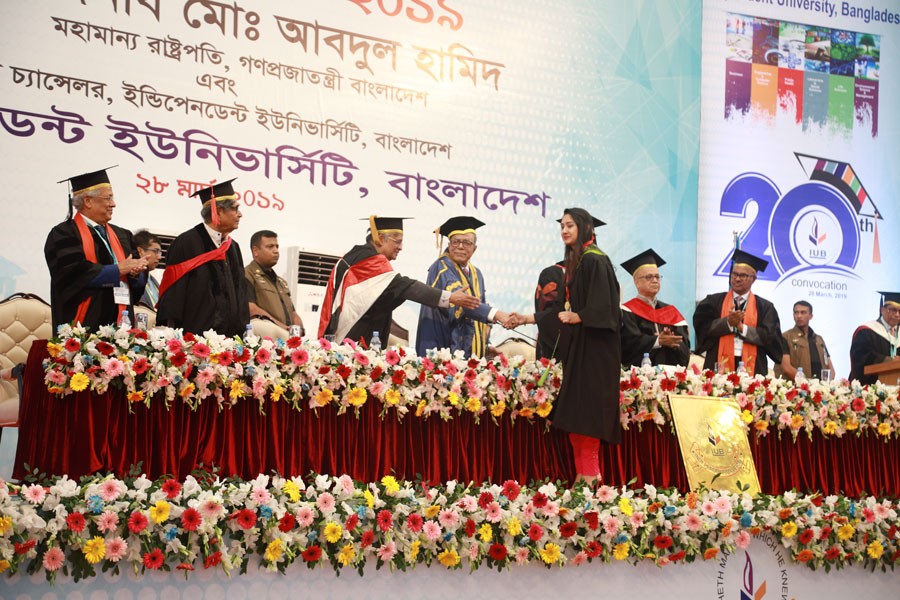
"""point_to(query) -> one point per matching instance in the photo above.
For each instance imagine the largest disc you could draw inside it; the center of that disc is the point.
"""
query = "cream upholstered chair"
(515, 346)
(267, 328)
(23, 319)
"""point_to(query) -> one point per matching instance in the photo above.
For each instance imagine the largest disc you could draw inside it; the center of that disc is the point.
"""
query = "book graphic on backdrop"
(813, 76)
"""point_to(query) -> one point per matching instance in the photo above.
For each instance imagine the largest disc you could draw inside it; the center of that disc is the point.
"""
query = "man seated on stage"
(739, 326)
(876, 341)
(203, 285)
(94, 278)
(269, 294)
(457, 328)
(650, 326)
(363, 289)
(805, 349)
(149, 248)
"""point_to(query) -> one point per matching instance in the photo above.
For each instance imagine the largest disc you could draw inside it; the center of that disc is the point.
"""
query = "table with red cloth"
(85, 433)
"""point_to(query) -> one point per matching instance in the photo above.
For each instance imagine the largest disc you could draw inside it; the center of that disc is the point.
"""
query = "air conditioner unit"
(308, 273)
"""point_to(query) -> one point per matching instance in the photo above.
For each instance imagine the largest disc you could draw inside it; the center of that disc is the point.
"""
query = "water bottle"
(800, 376)
(126, 320)
(375, 344)
(248, 331)
(645, 362)
(741, 368)
(142, 321)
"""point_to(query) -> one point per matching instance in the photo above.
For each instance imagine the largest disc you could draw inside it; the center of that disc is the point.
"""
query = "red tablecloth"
(86, 433)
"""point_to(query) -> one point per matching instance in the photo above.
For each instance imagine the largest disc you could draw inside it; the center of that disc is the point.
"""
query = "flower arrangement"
(165, 365)
(108, 524)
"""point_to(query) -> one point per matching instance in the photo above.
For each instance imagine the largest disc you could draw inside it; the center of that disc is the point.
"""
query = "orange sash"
(90, 253)
(726, 342)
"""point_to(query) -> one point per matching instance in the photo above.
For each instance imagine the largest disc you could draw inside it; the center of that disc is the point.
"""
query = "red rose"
(497, 552)
(191, 519)
(312, 554)
(154, 560)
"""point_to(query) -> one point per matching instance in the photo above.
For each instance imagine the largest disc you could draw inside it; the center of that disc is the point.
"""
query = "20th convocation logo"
(818, 225)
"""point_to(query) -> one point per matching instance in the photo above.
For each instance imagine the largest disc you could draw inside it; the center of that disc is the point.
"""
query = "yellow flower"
(526, 412)
(544, 409)
(550, 553)
(621, 551)
(420, 408)
(54, 350)
(390, 484)
(486, 532)
(761, 425)
(237, 389)
(188, 389)
(124, 358)
(357, 396)
(884, 429)
(346, 555)
(875, 550)
(514, 526)
(497, 408)
(845, 532)
(277, 392)
(135, 396)
(414, 551)
(94, 550)
(432, 511)
(789, 529)
(473, 405)
(830, 427)
(625, 507)
(290, 488)
(159, 513)
(4, 565)
(449, 558)
(852, 424)
(6, 524)
(79, 382)
(746, 416)
(392, 397)
(796, 421)
(453, 399)
(324, 396)
(370, 499)
(333, 531)
(274, 550)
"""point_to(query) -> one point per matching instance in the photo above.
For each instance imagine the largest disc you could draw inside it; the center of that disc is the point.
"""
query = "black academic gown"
(710, 326)
(550, 292)
(867, 348)
(212, 296)
(379, 314)
(71, 272)
(588, 401)
(639, 335)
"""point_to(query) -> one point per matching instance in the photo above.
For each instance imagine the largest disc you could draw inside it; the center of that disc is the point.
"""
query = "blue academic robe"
(455, 327)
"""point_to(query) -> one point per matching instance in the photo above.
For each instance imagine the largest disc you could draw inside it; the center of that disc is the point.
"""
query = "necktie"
(739, 303)
(101, 230)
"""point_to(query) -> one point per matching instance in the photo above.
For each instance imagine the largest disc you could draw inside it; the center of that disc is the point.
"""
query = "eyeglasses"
(105, 199)
(743, 276)
(396, 240)
(462, 243)
(651, 277)
(152, 250)
(892, 310)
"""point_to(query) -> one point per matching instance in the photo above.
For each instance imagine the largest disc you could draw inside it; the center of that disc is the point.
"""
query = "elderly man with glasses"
(650, 326)
(738, 326)
(363, 289)
(457, 328)
(876, 341)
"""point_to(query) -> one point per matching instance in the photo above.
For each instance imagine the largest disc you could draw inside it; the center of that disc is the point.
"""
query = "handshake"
(513, 319)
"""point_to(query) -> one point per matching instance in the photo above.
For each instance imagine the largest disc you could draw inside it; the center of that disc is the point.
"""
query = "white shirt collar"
(216, 237)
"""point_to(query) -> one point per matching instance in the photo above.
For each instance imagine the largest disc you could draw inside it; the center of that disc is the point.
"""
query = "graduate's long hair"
(585, 223)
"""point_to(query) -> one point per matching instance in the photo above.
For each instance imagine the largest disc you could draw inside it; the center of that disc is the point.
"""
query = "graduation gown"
(547, 296)
(588, 401)
(868, 347)
(454, 327)
(639, 334)
(374, 305)
(710, 326)
(72, 274)
(211, 296)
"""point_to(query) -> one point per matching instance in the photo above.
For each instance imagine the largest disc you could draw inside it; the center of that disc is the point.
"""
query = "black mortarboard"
(645, 258)
(455, 225)
(597, 222)
(221, 191)
(890, 298)
(379, 225)
(86, 182)
(745, 258)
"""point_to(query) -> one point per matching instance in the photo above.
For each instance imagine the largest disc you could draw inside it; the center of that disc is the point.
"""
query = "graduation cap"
(745, 258)
(86, 182)
(597, 222)
(456, 225)
(647, 258)
(218, 192)
(892, 298)
(379, 225)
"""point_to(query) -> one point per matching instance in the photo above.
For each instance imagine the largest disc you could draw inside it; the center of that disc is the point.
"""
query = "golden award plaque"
(714, 445)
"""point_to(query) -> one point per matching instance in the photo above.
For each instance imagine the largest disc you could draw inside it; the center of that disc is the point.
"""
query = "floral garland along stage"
(109, 524)
(164, 365)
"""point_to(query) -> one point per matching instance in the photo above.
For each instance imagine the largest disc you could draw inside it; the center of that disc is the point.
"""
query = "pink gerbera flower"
(431, 530)
(493, 513)
(387, 552)
(723, 504)
(108, 521)
(200, 350)
(110, 490)
(742, 539)
(260, 495)
(34, 493)
(114, 367)
(263, 356)
(606, 494)
(116, 548)
(522, 556)
(448, 518)
(53, 559)
(211, 509)
(708, 508)
(611, 525)
(299, 357)
(693, 522)
(325, 502)
(305, 516)
(361, 358)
